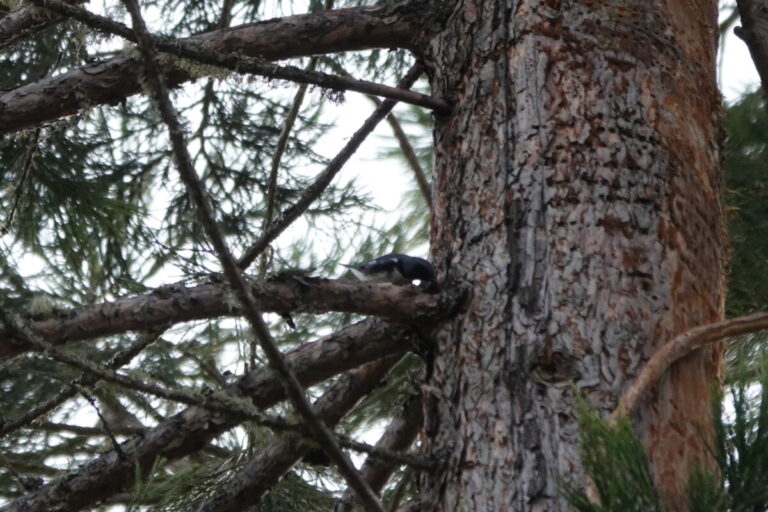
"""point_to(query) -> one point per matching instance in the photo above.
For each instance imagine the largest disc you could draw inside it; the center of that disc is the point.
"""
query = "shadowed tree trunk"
(577, 188)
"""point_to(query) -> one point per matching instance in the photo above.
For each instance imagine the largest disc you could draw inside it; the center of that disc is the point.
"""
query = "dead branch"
(173, 304)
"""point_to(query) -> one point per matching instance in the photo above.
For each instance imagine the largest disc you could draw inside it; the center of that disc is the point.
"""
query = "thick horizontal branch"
(681, 346)
(110, 81)
(192, 429)
(175, 304)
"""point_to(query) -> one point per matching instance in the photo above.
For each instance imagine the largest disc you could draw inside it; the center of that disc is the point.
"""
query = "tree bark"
(577, 188)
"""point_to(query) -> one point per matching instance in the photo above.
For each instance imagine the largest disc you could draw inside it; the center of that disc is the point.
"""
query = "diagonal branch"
(754, 32)
(399, 435)
(679, 347)
(112, 80)
(233, 274)
(324, 178)
(402, 140)
(192, 429)
(247, 485)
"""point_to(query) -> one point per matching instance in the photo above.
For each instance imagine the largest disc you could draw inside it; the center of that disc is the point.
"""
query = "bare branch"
(754, 32)
(324, 178)
(681, 346)
(111, 80)
(173, 304)
(192, 429)
(402, 139)
(246, 486)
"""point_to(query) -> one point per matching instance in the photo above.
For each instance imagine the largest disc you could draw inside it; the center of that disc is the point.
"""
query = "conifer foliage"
(95, 213)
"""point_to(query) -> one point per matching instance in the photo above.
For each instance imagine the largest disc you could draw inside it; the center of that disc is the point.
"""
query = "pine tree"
(172, 219)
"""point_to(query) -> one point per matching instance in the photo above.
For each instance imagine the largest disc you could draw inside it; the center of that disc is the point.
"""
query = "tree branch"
(399, 435)
(173, 304)
(324, 178)
(754, 32)
(679, 347)
(232, 272)
(117, 78)
(192, 429)
(247, 485)
(87, 379)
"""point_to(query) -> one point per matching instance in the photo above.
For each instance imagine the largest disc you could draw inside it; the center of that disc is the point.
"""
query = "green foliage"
(746, 180)
(742, 448)
(95, 211)
(615, 460)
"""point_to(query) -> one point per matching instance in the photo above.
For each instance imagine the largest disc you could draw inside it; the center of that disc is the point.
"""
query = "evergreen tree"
(172, 215)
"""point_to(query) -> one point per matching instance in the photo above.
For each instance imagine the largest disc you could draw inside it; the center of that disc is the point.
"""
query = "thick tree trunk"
(577, 190)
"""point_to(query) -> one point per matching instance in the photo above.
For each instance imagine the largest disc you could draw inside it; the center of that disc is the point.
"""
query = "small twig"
(105, 424)
(402, 139)
(679, 347)
(235, 278)
(242, 64)
(324, 179)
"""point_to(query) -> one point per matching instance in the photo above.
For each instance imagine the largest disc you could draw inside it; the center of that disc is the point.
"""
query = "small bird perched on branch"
(396, 269)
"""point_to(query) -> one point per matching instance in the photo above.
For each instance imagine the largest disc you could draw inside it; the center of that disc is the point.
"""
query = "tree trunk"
(577, 189)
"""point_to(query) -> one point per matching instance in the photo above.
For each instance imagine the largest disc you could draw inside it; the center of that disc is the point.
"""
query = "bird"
(396, 269)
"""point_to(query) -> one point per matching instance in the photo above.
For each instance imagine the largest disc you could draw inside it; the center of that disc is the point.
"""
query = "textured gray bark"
(193, 428)
(576, 187)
